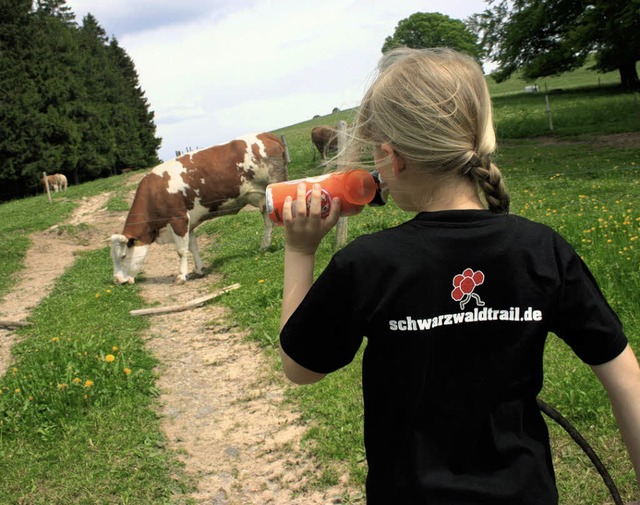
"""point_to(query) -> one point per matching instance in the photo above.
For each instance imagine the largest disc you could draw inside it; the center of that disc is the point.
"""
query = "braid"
(489, 178)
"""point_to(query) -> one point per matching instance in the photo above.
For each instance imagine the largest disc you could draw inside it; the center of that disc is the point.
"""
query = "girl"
(456, 303)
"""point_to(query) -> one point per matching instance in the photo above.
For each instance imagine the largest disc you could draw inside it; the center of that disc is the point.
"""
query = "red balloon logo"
(463, 286)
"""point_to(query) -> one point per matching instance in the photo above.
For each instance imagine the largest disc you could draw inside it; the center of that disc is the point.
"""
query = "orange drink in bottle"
(355, 188)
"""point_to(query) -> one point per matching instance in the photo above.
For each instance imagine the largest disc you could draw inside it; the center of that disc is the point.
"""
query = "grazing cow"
(178, 195)
(325, 139)
(57, 182)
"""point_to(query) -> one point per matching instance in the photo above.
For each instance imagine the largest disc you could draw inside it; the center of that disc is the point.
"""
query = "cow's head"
(127, 255)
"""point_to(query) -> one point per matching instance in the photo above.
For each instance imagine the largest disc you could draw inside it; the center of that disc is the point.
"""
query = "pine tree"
(137, 145)
(72, 101)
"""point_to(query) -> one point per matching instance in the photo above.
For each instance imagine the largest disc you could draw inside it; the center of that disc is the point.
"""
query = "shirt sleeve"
(324, 333)
(583, 318)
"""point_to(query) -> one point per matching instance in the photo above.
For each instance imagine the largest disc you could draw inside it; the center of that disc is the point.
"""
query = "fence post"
(46, 185)
(287, 156)
(342, 227)
(546, 98)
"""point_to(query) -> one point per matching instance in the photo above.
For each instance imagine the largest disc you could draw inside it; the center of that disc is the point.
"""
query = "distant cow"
(57, 182)
(178, 195)
(325, 139)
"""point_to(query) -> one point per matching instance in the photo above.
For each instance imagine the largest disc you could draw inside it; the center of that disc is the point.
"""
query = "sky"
(213, 70)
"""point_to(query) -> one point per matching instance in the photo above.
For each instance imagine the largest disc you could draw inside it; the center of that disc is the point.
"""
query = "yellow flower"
(261, 281)
(62, 386)
(98, 295)
(107, 291)
(55, 339)
(109, 358)
(88, 384)
(76, 380)
(17, 390)
(114, 348)
(127, 371)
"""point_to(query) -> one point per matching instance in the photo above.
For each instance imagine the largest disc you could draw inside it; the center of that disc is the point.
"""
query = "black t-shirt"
(456, 307)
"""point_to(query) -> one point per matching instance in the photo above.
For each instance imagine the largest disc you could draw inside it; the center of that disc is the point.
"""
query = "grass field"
(77, 424)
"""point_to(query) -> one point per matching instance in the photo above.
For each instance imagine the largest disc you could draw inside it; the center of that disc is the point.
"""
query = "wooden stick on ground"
(13, 324)
(185, 306)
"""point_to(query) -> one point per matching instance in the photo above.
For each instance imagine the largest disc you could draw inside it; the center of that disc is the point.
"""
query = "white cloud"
(213, 69)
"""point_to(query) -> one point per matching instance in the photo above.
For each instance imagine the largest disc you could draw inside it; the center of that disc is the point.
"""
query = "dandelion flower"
(98, 295)
(261, 281)
(62, 386)
(127, 371)
(109, 358)
(88, 384)
(17, 390)
(55, 339)
(114, 348)
(76, 380)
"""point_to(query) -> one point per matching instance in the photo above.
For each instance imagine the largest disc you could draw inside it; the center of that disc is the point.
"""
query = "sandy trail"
(221, 401)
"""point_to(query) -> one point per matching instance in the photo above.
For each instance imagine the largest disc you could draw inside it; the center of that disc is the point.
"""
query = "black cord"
(584, 445)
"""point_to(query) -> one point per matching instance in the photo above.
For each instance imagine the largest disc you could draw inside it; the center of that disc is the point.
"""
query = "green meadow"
(77, 404)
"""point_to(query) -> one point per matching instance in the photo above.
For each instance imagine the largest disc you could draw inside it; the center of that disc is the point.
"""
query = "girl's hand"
(302, 232)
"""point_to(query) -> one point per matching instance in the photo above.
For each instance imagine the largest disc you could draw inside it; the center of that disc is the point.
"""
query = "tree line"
(71, 100)
(537, 38)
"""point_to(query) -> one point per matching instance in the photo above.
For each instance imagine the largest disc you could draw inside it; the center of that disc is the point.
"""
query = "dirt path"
(221, 402)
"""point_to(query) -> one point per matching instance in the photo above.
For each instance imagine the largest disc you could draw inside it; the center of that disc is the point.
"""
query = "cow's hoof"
(180, 279)
(195, 275)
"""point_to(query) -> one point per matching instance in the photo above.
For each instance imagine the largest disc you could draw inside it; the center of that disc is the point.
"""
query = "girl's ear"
(398, 161)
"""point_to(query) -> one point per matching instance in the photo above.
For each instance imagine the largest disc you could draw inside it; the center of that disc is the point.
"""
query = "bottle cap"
(359, 187)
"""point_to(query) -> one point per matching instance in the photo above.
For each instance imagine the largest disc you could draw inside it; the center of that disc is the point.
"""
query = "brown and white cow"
(57, 182)
(178, 195)
(325, 139)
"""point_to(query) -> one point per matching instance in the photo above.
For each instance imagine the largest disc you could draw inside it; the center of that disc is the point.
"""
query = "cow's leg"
(268, 228)
(182, 248)
(197, 261)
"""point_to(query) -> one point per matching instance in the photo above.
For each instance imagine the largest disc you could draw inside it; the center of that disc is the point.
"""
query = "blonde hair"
(432, 106)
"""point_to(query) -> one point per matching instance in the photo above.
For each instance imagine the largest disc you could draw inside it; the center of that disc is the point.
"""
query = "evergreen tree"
(72, 100)
(97, 158)
(53, 65)
(136, 141)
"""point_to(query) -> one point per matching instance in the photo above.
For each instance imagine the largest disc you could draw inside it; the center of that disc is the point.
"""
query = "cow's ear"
(133, 242)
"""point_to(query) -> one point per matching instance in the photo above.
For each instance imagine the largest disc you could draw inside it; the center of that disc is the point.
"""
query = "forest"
(72, 102)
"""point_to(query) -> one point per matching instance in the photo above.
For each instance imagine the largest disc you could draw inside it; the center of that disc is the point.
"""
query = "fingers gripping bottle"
(355, 188)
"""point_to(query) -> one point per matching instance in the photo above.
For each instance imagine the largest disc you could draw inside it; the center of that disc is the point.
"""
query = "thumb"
(334, 213)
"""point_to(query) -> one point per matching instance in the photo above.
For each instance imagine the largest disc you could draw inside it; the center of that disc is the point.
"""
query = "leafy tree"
(424, 29)
(549, 37)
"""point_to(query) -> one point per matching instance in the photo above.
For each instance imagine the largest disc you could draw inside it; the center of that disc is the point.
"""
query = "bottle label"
(269, 202)
(325, 203)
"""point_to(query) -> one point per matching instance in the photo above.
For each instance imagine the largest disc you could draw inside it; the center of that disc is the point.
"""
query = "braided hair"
(433, 107)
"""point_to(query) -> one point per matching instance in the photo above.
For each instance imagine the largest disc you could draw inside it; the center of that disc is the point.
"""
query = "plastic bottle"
(355, 188)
